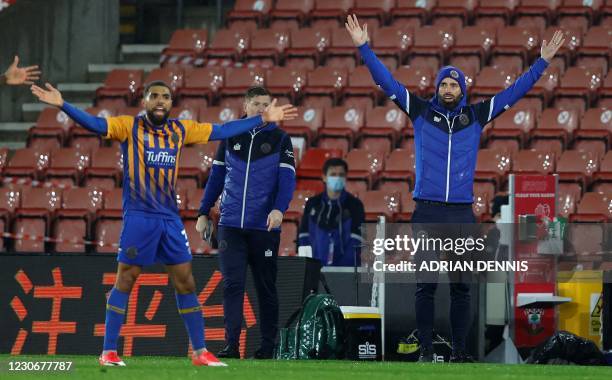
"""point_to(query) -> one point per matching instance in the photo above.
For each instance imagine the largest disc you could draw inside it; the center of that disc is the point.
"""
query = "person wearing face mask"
(447, 132)
(330, 230)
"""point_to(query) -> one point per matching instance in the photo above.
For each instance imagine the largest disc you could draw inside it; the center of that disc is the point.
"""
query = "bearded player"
(152, 229)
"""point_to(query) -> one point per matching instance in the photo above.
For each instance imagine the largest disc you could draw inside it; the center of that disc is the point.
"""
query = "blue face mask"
(335, 183)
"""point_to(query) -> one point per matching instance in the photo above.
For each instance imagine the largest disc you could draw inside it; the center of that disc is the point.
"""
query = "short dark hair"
(159, 83)
(256, 91)
(334, 162)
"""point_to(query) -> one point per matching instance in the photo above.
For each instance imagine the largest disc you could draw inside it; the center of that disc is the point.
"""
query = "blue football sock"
(115, 314)
(191, 312)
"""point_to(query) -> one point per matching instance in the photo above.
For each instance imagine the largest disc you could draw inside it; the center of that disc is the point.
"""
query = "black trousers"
(439, 220)
(259, 250)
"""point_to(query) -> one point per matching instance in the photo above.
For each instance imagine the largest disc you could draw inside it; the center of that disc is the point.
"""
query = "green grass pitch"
(150, 367)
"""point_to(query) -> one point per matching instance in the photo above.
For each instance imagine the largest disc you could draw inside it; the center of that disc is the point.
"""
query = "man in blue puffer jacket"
(255, 175)
(446, 138)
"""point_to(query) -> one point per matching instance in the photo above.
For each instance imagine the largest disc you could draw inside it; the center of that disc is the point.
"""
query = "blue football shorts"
(148, 240)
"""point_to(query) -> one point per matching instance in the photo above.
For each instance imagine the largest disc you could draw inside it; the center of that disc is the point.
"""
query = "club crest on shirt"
(237, 146)
(437, 119)
(265, 148)
(464, 119)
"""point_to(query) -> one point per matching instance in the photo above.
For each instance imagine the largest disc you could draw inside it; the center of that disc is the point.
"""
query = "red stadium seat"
(568, 195)
(418, 80)
(580, 82)
(593, 207)
(341, 53)
(399, 166)
(492, 166)
(546, 85)
(407, 206)
(40, 202)
(185, 43)
(380, 203)
(334, 10)
(496, 8)
(597, 147)
(557, 123)
(361, 88)
(287, 82)
(541, 8)
(313, 160)
(579, 7)
(516, 123)
(32, 232)
(480, 207)
(308, 46)
(219, 115)
(606, 88)
(52, 123)
(364, 166)
(107, 233)
(577, 166)
(326, 82)
(385, 122)
(433, 41)
(516, 40)
(28, 162)
(106, 168)
(10, 200)
(306, 124)
(603, 175)
(202, 82)
(596, 124)
(121, 83)
(172, 76)
(394, 42)
(256, 10)
(597, 42)
(461, 9)
(266, 43)
(297, 204)
(79, 205)
(187, 112)
(474, 40)
(296, 11)
(533, 162)
(408, 9)
(506, 145)
(229, 43)
(343, 121)
(550, 145)
(314, 185)
(288, 239)
(238, 80)
(194, 167)
(492, 80)
(367, 10)
(68, 166)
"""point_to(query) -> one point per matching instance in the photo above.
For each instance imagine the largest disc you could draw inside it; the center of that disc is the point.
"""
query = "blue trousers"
(239, 248)
(440, 220)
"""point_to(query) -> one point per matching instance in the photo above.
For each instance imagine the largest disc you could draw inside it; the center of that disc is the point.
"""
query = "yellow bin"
(581, 316)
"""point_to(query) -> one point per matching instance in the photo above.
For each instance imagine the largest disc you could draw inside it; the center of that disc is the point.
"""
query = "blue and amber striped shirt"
(151, 157)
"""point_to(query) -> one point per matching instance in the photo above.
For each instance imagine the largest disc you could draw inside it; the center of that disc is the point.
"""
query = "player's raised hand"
(50, 96)
(274, 113)
(549, 49)
(358, 34)
(15, 75)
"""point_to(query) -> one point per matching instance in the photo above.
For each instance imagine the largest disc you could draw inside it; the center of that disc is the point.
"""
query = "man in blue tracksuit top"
(255, 175)
(446, 138)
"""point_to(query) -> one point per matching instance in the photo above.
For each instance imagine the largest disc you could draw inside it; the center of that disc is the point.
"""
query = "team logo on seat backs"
(160, 158)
